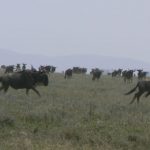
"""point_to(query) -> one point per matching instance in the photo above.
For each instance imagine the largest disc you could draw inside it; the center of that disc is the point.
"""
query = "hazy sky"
(64, 27)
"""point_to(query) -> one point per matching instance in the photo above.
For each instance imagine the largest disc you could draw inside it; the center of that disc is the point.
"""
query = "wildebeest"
(141, 74)
(18, 67)
(128, 75)
(96, 73)
(79, 70)
(47, 69)
(9, 69)
(68, 73)
(23, 80)
(143, 86)
(24, 67)
(33, 69)
(116, 73)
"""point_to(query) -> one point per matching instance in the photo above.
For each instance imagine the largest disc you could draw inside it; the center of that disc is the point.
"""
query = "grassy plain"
(75, 114)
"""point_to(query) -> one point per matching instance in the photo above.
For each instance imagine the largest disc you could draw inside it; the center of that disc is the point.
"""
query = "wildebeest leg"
(125, 80)
(147, 94)
(93, 78)
(36, 91)
(6, 88)
(133, 99)
(27, 91)
(137, 95)
(1, 88)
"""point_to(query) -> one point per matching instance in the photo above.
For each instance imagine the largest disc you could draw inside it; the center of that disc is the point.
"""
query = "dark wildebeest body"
(116, 73)
(47, 69)
(128, 75)
(24, 67)
(141, 74)
(18, 67)
(79, 70)
(9, 69)
(23, 80)
(96, 74)
(68, 73)
(143, 86)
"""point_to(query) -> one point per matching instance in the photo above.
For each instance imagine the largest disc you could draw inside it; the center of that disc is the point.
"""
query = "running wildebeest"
(143, 86)
(68, 73)
(23, 80)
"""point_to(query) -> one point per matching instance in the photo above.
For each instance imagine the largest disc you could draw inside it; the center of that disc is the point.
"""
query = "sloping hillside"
(63, 62)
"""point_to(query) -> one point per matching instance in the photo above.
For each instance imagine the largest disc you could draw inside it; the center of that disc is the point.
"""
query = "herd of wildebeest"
(19, 77)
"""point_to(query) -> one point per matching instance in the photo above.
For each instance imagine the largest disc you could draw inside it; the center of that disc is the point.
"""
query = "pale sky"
(63, 27)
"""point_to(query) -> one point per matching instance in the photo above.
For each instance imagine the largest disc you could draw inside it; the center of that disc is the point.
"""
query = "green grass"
(75, 114)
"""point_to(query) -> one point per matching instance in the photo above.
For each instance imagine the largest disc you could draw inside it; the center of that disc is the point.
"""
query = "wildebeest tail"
(131, 91)
(0, 79)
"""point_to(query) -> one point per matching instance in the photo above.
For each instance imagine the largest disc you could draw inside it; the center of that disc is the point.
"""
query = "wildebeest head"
(40, 78)
(44, 79)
